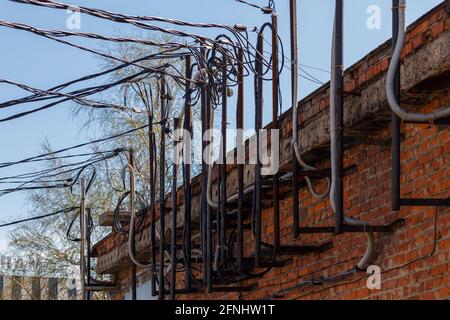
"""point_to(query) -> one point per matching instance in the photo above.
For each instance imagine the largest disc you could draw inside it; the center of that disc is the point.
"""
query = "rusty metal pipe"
(222, 165)
(187, 195)
(162, 180)
(395, 120)
(241, 146)
(258, 126)
(173, 248)
(83, 239)
(275, 126)
(294, 84)
(204, 178)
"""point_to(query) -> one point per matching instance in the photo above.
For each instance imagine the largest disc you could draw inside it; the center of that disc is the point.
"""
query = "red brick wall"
(413, 264)
(415, 259)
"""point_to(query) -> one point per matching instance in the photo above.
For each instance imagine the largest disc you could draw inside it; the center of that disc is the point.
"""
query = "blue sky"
(41, 63)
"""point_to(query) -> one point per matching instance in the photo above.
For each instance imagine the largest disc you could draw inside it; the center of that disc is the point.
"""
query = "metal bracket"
(347, 228)
(297, 250)
(425, 202)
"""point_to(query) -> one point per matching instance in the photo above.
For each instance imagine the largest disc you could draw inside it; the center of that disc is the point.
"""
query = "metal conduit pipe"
(86, 285)
(336, 117)
(88, 251)
(294, 102)
(390, 81)
(133, 266)
(205, 217)
(294, 94)
(173, 242)
(162, 177)
(152, 175)
(187, 194)
(204, 178)
(395, 120)
(83, 239)
(370, 249)
(210, 162)
(208, 220)
(222, 184)
(259, 106)
(131, 228)
(240, 145)
(256, 203)
(275, 126)
(336, 131)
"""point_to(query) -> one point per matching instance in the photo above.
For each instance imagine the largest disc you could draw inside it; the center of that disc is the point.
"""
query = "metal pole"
(258, 127)
(204, 202)
(294, 84)
(162, 180)
(152, 157)
(187, 177)
(339, 94)
(275, 126)
(83, 239)
(209, 242)
(241, 146)
(173, 242)
(133, 244)
(88, 253)
(395, 120)
(222, 165)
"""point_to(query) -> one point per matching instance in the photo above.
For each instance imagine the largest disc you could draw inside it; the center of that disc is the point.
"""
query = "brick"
(437, 29)
(408, 272)
(418, 42)
(438, 270)
(419, 29)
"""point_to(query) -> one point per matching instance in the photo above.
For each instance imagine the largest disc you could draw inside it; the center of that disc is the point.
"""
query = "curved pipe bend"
(369, 253)
(297, 151)
(210, 165)
(131, 231)
(390, 81)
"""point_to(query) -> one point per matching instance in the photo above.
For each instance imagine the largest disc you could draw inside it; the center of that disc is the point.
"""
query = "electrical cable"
(66, 210)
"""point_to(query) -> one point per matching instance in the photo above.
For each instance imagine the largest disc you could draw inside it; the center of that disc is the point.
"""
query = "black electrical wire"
(64, 157)
(211, 76)
(90, 222)
(34, 98)
(66, 210)
(118, 226)
(241, 36)
(68, 182)
(112, 137)
(267, 9)
(135, 20)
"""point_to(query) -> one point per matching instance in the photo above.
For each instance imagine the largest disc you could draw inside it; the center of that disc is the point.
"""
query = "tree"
(45, 241)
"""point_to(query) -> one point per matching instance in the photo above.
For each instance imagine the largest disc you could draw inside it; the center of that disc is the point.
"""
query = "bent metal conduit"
(90, 284)
(337, 136)
(297, 157)
(259, 106)
(390, 82)
(131, 229)
(398, 114)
